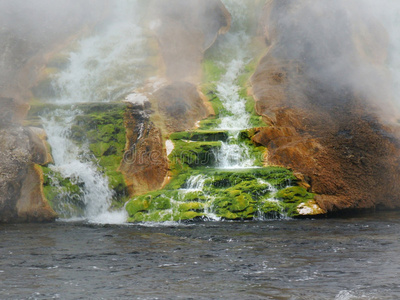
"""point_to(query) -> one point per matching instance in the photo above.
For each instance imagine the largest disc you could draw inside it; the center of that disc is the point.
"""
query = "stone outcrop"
(144, 164)
(323, 89)
(181, 106)
(21, 190)
(22, 150)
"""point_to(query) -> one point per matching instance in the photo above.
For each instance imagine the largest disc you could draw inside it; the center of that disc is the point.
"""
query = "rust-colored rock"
(181, 106)
(324, 89)
(31, 205)
(144, 164)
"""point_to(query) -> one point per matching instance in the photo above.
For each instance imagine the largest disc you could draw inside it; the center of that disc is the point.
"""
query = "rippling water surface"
(357, 258)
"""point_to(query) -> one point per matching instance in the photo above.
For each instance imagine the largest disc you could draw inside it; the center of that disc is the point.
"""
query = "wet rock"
(326, 121)
(181, 106)
(231, 195)
(21, 191)
(144, 164)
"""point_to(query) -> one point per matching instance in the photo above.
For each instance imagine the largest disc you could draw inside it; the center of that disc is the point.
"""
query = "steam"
(28, 27)
(344, 45)
(319, 33)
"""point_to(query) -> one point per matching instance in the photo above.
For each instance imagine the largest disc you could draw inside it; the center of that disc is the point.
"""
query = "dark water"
(356, 258)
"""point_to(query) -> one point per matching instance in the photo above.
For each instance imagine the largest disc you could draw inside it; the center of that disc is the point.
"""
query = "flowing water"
(343, 259)
(103, 68)
(234, 55)
(72, 162)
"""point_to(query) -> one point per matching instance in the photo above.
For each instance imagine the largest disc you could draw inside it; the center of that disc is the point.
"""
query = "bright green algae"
(100, 128)
(242, 194)
(226, 194)
(65, 195)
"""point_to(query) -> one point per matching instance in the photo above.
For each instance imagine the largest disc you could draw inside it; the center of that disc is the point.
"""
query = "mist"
(343, 45)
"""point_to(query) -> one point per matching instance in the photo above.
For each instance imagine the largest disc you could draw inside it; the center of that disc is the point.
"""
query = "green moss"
(159, 207)
(201, 135)
(64, 195)
(197, 196)
(256, 151)
(243, 82)
(229, 194)
(117, 184)
(211, 70)
(271, 209)
(136, 206)
(100, 126)
(292, 197)
(188, 155)
(294, 194)
(190, 206)
(209, 123)
(212, 73)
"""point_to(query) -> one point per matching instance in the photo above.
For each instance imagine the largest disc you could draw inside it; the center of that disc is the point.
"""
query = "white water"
(195, 183)
(74, 163)
(103, 68)
(235, 56)
(234, 155)
(260, 215)
(228, 92)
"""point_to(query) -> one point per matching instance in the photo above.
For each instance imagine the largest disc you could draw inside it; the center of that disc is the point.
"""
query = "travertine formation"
(323, 89)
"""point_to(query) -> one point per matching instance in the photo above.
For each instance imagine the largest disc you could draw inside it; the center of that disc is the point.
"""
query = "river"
(346, 258)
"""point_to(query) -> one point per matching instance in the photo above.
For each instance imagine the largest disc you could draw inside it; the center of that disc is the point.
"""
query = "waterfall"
(195, 183)
(260, 215)
(236, 117)
(233, 153)
(75, 163)
(103, 68)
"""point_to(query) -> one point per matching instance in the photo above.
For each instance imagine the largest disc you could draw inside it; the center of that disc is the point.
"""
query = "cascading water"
(102, 69)
(74, 163)
(195, 183)
(104, 66)
(234, 154)
(260, 215)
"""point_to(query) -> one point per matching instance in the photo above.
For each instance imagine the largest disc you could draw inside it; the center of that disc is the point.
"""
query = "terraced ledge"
(229, 195)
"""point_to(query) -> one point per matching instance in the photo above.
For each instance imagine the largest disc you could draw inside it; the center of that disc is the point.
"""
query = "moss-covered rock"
(100, 128)
(232, 195)
(162, 206)
(292, 197)
(201, 135)
(65, 195)
(190, 154)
